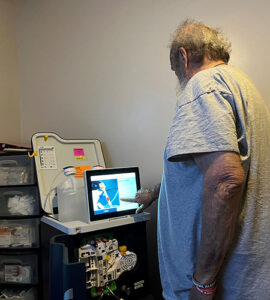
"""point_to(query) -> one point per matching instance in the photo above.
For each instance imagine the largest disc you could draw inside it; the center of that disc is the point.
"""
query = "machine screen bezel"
(88, 186)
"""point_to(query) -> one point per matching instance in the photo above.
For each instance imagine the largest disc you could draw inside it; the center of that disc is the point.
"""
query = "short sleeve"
(205, 124)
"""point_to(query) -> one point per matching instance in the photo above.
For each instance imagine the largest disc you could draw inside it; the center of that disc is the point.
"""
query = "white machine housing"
(52, 154)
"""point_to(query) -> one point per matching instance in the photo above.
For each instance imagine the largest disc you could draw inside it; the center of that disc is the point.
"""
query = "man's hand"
(144, 197)
(196, 295)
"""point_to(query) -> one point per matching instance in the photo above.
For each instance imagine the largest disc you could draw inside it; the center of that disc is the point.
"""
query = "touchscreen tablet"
(106, 187)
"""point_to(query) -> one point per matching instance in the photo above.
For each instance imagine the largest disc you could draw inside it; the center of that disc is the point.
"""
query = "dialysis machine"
(94, 245)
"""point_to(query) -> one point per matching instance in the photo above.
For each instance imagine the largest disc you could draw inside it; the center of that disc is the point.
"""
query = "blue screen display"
(108, 190)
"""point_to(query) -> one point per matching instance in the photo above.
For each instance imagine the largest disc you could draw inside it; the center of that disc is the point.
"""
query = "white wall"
(9, 84)
(100, 68)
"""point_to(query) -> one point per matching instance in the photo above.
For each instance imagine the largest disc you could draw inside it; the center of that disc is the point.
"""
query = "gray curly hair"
(200, 40)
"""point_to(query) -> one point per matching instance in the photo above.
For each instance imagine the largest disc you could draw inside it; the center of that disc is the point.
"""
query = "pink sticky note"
(78, 151)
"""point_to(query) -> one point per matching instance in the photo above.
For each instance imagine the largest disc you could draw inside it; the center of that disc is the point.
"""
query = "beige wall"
(9, 85)
(100, 68)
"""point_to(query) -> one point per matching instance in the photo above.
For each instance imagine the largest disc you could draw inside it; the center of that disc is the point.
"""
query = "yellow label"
(79, 158)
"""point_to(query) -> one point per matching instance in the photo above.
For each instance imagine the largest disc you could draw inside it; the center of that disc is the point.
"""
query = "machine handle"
(65, 276)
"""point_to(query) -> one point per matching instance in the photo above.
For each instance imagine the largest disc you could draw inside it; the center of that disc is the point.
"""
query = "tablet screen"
(106, 188)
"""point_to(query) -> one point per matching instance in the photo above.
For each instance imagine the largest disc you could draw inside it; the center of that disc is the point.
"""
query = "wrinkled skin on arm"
(224, 181)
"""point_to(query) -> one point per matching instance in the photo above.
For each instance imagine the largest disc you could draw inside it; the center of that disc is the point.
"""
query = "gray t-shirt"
(219, 110)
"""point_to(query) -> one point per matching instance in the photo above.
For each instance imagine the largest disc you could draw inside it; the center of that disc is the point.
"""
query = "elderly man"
(214, 200)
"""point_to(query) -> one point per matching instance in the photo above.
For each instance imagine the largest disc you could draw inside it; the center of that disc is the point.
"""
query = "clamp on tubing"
(33, 154)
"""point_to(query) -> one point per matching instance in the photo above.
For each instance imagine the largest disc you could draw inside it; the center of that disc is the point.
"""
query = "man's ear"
(184, 55)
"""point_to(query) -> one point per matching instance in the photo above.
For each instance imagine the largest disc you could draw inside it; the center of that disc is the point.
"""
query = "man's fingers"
(140, 209)
(134, 200)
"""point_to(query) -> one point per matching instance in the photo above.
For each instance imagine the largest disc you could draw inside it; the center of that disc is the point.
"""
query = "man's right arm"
(145, 197)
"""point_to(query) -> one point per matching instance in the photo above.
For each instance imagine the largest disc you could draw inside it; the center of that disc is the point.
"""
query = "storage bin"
(20, 233)
(16, 170)
(19, 293)
(19, 269)
(19, 201)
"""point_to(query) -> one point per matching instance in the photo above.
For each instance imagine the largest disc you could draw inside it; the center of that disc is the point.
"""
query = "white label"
(5, 240)
(18, 273)
(138, 285)
(22, 237)
(47, 157)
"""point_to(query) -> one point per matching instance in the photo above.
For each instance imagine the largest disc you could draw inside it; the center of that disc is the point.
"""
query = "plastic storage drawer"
(16, 170)
(19, 269)
(19, 201)
(19, 233)
(19, 293)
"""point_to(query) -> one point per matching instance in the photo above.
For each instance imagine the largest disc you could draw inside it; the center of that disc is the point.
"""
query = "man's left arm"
(224, 181)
